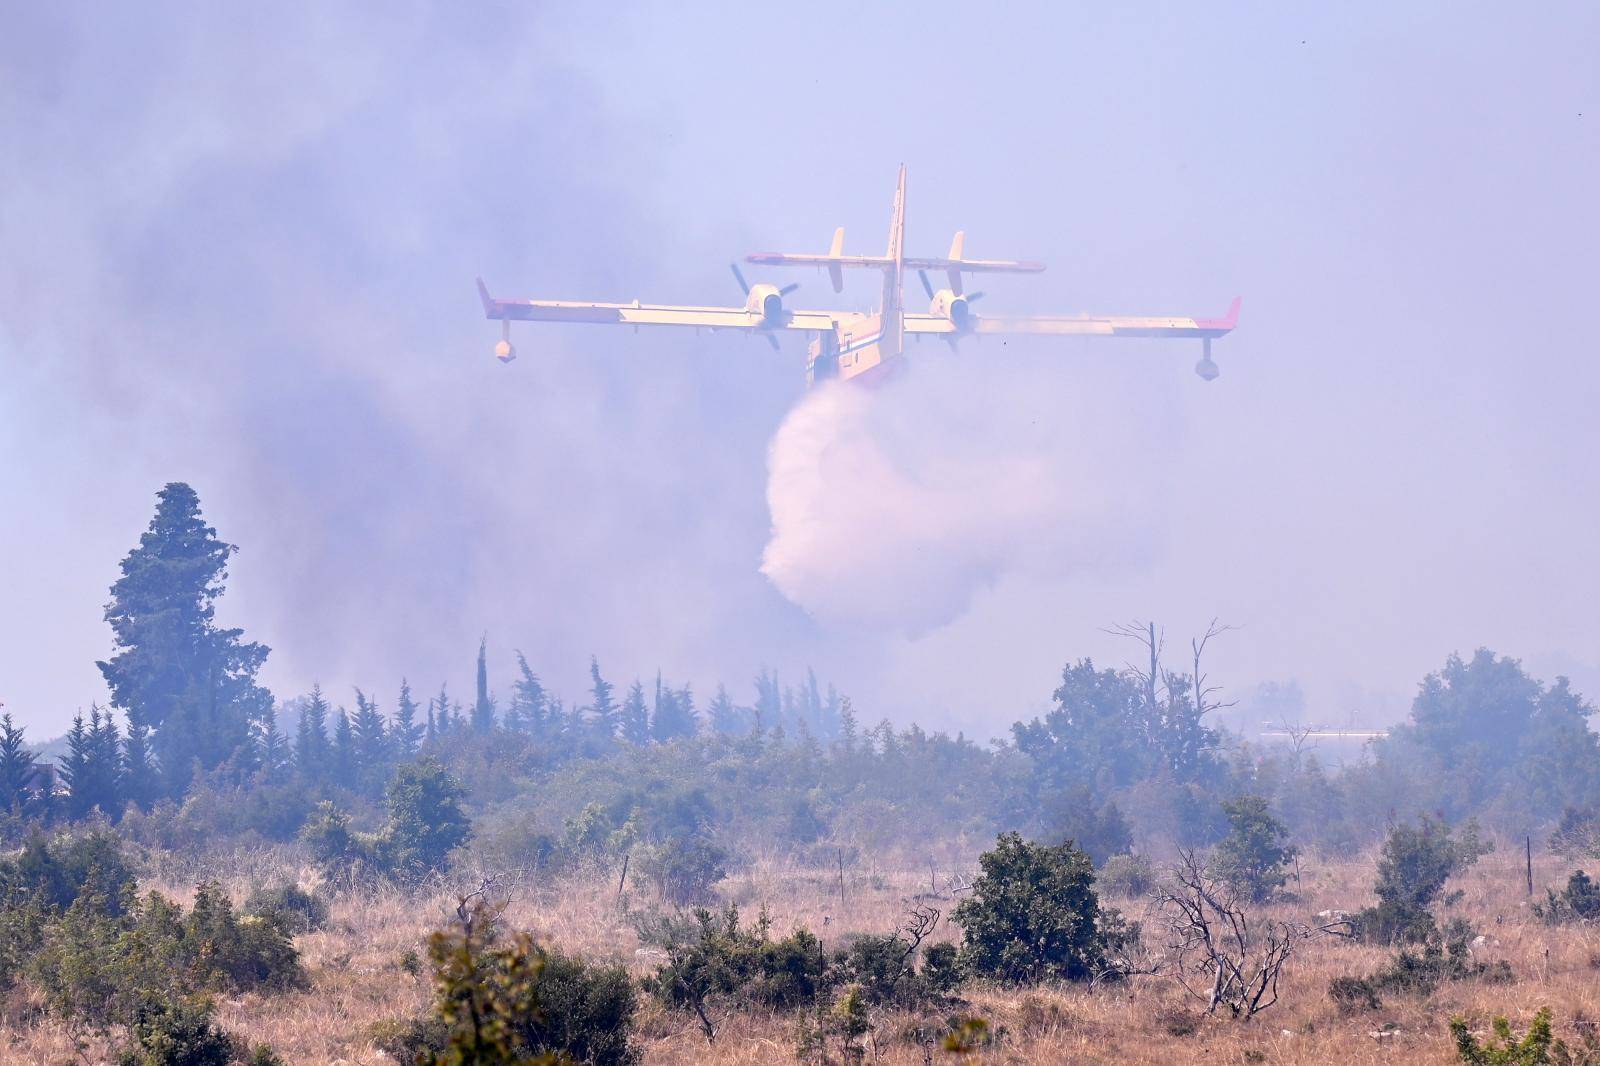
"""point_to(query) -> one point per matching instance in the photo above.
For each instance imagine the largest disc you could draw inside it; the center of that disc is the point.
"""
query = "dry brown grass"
(357, 978)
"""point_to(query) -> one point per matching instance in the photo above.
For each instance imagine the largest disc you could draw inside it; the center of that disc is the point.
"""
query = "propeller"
(927, 287)
(744, 286)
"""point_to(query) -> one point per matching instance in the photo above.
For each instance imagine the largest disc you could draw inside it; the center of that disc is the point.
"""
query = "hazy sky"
(237, 249)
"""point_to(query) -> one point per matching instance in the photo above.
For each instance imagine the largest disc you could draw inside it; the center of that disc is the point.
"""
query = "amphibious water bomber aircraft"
(851, 344)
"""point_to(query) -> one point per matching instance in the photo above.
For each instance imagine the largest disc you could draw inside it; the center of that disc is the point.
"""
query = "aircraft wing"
(1080, 325)
(643, 314)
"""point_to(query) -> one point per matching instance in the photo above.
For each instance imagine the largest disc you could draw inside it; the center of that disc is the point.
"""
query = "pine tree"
(529, 701)
(813, 705)
(483, 709)
(431, 730)
(725, 717)
(769, 705)
(92, 767)
(675, 714)
(311, 736)
(141, 777)
(272, 746)
(174, 672)
(442, 713)
(16, 766)
(75, 768)
(344, 752)
(635, 716)
(603, 709)
(407, 734)
(370, 742)
(106, 764)
(847, 725)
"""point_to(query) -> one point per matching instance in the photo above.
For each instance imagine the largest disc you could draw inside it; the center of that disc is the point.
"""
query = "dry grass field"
(357, 977)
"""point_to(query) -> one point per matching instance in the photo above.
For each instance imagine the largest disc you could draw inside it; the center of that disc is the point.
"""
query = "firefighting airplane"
(854, 345)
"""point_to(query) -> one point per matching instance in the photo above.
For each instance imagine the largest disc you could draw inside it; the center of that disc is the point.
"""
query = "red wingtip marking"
(1224, 324)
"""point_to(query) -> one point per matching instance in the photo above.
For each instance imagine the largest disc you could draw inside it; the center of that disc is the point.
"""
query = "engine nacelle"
(504, 352)
(766, 301)
(946, 304)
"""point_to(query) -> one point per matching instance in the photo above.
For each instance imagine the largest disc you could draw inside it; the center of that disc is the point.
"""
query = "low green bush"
(291, 907)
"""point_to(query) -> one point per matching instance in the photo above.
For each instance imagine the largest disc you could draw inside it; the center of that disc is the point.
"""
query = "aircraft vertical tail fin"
(893, 276)
(958, 245)
(835, 251)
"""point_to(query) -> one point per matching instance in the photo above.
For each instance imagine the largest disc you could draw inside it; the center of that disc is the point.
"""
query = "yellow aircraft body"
(852, 345)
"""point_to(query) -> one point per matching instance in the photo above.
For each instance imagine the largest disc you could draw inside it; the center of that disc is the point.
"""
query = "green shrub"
(941, 968)
(103, 968)
(55, 872)
(1505, 1049)
(1129, 876)
(291, 907)
(425, 824)
(1033, 914)
(1579, 901)
(1577, 835)
(1254, 857)
(426, 821)
(1354, 994)
(512, 1002)
(1445, 954)
(586, 1012)
(1413, 867)
(685, 868)
(179, 1033)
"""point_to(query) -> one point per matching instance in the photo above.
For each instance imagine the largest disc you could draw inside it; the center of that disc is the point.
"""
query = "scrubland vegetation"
(213, 875)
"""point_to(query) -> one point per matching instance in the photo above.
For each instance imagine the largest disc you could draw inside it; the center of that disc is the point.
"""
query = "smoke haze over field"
(238, 248)
(894, 507)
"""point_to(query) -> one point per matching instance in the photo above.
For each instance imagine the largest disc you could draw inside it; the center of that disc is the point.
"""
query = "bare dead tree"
(1300, 737)
(1203, 689)
(918, 924)
(1215, 950)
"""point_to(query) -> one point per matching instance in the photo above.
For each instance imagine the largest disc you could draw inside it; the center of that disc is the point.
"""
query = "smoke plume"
(897, 506)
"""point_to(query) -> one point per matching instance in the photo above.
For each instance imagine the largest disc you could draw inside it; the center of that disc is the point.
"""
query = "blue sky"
(239, 249)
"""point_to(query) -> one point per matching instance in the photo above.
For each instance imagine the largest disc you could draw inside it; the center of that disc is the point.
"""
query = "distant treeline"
(1124, 757)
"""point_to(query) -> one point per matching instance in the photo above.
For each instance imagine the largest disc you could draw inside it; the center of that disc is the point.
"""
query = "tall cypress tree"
(16, 766)
(406, 734)
(174, 671)
(528, 698)
(272, 747)
(602, 708)
(675, 715)
(635, 717)
(311, 736)
(141, 777)
(725, 717)
(74, 768)
(92, 766)
(371, 741)
(344, 766)
(483, 709)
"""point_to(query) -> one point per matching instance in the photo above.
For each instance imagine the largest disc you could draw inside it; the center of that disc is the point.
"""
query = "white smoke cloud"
(897, 506)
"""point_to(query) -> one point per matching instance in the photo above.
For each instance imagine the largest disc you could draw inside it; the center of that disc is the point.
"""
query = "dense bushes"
(425, 824)
(505, 1001)
(1033, 914)
(1579, 901)
(1444, 954)
(1254, 857)
(1413, 867)
(91, 949)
